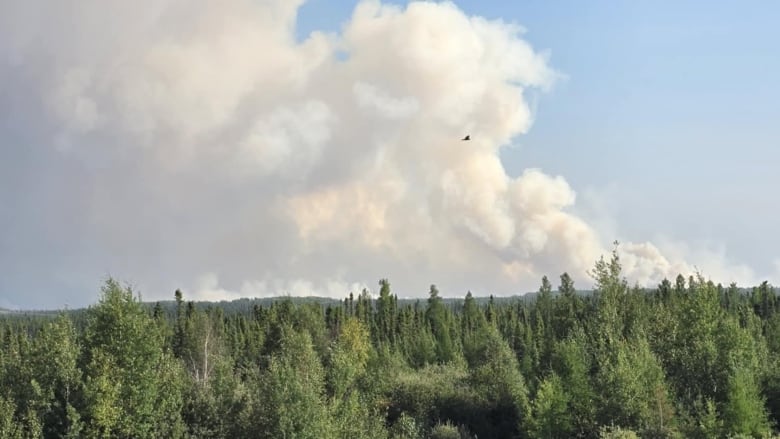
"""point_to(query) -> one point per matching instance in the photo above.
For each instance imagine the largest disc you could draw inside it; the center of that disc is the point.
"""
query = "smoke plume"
(201, 145)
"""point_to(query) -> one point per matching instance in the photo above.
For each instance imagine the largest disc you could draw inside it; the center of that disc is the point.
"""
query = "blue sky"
(669, 110)
(227, 150)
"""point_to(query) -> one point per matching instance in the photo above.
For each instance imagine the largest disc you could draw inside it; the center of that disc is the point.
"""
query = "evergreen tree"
(385, 314)
(744, 412)
(436, 316)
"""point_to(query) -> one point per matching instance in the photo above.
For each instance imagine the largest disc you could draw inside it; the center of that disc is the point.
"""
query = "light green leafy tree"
(54, 363)
(127, 391)
(551, 415)
(292, 391)
(352, 415)
(495, 377)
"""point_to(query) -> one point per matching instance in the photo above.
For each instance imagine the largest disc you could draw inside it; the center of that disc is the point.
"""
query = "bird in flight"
(466, 138)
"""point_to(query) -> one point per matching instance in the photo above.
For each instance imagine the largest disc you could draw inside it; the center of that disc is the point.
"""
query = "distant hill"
(245, 305)
(17, 312)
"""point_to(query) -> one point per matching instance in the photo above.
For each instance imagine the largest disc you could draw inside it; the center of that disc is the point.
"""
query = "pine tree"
(744, 412)
(436, 316)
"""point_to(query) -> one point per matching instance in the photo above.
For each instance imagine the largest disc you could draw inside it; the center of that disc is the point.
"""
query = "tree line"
(686, 359)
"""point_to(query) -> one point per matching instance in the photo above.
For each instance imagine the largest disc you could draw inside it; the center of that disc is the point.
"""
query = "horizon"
(371, 294)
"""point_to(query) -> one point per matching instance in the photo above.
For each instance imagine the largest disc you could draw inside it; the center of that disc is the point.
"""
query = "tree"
(405, 427)
(348, 358)
(629, 377)
(551, 415)
(201, 345)
(569, 308)
(178, 332)
(54, 356)
(445, 431)
(572, 363)
(385, 314)
(744, 412)
(473, 324)
(472, 318)
(496, 379)
(608, 323)
(9, 427)
(223, 407)
(633, 389)
(613, 432)
(544, 322)
(352, 417)
(125, 369)
(436, 315)
(291, 392)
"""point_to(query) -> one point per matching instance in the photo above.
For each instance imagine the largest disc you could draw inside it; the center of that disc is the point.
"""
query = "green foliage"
(126, 370)
(613, 432)
(348, 358)
(744, 412)
(428, 393)
(710, 424)
(633, 388)
(49, 381)
(572, 364)
(447, 431)
(291, 391)
(551, 415)
(9, 427)
(385, 315)
(405, 427)
(102, 396)
(688, 359)
(437, 318)
(201, 344)
(569, 308)
(499, 385)
(771, 389)
(352, 415)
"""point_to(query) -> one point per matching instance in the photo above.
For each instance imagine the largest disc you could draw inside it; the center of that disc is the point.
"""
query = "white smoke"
(214, 149)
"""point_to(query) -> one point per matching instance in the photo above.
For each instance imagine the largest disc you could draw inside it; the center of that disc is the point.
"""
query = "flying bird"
(466, 138)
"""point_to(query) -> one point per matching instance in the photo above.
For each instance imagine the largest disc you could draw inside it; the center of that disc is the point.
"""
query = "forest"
(687, 359)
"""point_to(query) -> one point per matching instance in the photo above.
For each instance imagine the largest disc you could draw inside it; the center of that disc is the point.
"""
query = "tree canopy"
(689, 358)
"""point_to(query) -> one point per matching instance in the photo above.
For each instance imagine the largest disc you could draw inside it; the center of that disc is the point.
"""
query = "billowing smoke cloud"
(200, 145)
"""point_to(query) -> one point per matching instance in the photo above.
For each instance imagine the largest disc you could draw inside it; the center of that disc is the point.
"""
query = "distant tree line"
(687, 359)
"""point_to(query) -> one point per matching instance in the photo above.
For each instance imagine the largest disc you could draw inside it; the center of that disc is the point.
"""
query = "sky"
(261, 148)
